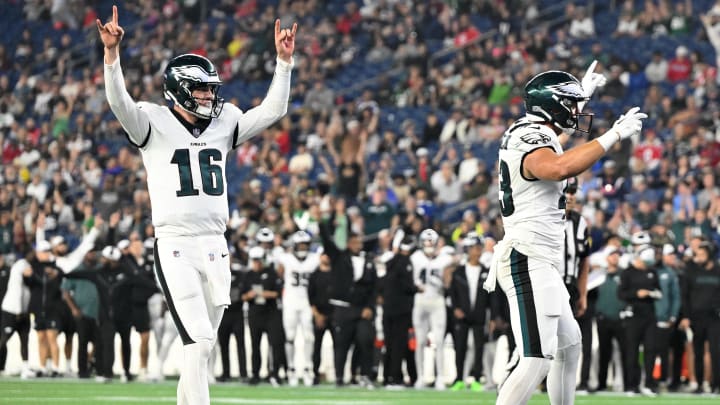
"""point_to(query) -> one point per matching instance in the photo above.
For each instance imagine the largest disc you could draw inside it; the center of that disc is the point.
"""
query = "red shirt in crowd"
(10, 152)
(711, 154)
(246, 154)
(467, 35)
(649, 152)
(679, 69)
(282, 139)
(347, 22)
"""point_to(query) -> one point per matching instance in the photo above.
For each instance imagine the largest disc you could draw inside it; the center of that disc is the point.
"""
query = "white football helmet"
(265, 235)
(300, 241)
(428, 241)
(640, 240)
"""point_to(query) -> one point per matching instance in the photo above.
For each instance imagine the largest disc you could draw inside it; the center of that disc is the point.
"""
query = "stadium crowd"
(407, 140)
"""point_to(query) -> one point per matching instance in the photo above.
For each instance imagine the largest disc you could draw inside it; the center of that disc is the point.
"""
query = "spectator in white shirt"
(302, 162)
(37, 188)
(582, 26)
(627, 25)
(468, 166)
(446, 185)
(657, 69)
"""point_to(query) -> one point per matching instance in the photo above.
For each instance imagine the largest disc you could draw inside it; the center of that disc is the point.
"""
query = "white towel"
(501, 254)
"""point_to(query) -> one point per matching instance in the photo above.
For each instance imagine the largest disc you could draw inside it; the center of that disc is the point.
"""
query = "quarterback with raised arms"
(183, 146)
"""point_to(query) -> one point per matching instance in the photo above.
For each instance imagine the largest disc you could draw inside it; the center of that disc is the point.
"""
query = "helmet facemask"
(569, 117)
(196, 105)
(188, 73)
(301, 244)
(301, 250)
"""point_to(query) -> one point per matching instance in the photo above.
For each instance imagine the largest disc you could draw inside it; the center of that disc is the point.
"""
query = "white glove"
(629, 123)
(655, 294)
(590, 82)
(626, 126)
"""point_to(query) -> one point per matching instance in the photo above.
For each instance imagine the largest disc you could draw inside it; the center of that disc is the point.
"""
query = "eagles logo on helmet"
(189, 72)
(553, 97)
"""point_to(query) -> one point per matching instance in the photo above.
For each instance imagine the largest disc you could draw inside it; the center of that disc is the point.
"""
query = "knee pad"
(201, 349)
(569, 335)
(569, 353)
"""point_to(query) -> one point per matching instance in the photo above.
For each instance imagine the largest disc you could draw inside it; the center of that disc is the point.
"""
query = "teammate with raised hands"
(533, 169)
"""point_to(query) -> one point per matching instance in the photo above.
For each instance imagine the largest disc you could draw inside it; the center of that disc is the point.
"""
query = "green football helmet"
(186, 73)
(553, 96)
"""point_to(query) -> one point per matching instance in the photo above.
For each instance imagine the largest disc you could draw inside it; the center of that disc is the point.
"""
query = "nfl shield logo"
(176, 253)
(212, 256)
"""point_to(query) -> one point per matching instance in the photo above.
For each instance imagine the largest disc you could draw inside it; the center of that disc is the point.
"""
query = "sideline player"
(429, 314)
(183, 146)
(532, 171)
(296, 268)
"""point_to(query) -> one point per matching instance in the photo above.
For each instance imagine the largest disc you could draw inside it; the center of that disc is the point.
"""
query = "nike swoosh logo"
(224, 254)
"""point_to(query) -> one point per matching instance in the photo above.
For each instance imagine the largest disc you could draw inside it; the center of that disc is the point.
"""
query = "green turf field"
(46, 392)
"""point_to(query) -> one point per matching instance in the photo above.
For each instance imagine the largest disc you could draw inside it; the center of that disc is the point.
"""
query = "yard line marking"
(239, 401)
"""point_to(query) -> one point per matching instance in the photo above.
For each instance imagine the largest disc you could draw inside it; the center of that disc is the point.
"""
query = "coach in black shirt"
(352, 293)
(701, 303)
(45, 304)
(319, 296)
(470, 303)
(639, 286)
(398, 296)
(262, 289)
(111, 281)
(233, 323)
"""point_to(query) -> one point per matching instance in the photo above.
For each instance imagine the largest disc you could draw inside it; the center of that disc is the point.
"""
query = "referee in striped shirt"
(575, 272)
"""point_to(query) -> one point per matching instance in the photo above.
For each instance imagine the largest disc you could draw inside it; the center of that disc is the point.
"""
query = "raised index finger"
(277, 26)
(115, 15)
(294, 28)
(591, 68)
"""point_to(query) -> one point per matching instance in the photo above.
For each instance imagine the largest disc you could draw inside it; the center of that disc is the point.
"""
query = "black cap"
(571, 186)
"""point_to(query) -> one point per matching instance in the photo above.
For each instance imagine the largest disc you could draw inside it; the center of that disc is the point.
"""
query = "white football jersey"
(297, 276)
(17, 296)
(186, 171)
(532, 209)
(428, 273)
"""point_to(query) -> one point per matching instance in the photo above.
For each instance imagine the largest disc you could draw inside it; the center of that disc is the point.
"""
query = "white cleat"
(292, 378)
(308, 378)
(648, 392)
(366, 383)
(440, 386)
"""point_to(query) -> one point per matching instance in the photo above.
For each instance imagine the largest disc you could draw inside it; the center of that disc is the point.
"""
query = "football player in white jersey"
(429, 314)
(532, 171)
(265, 238)
(295, 268)
(183, 146)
